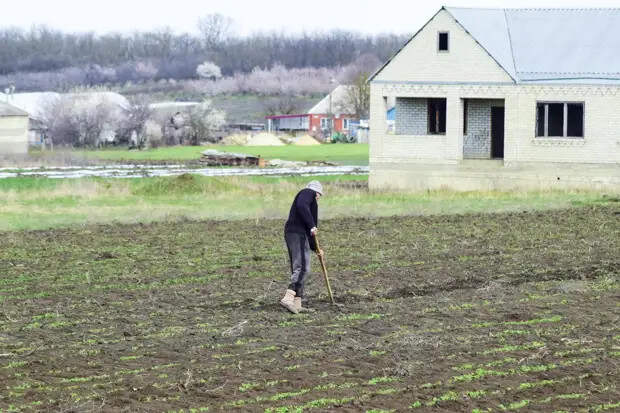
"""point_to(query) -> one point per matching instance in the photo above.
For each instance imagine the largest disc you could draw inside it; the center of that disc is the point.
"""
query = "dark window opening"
(443, 42)
(575, 120)
(464, 116)
(436, 116)
(556, 120)
(540, 119)
(559, 120)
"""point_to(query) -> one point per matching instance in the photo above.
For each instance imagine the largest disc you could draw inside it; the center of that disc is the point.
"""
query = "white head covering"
(315, 186)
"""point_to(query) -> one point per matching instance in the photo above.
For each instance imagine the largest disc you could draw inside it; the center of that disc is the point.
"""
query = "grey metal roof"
(339, 102)
(574, 46)
(9, 110)
(539, 45)
(32, 102)
(490, 29)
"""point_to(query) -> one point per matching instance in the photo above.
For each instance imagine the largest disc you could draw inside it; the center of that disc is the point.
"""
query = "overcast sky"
(366, 16)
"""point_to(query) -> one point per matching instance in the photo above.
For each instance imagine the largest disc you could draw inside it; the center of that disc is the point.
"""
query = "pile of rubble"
(250, 139)
(211, 157)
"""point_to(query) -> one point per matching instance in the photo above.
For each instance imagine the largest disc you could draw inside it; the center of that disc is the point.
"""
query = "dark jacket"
(304, 215)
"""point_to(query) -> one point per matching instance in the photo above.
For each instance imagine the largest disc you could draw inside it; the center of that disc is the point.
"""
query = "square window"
(443, 41)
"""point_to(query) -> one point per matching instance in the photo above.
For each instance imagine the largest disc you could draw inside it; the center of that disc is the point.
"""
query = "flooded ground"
(144, 171)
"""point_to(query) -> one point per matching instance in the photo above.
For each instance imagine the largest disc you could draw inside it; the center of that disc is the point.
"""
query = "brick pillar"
(377, 121)
(453, 149)
(512, 133)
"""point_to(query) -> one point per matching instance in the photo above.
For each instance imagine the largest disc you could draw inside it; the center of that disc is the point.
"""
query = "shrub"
(209, 70)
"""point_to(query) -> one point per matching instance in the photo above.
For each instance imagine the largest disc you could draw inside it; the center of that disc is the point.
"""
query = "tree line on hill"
(43, 58)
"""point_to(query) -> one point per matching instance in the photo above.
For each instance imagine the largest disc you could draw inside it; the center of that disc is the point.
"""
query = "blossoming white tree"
(204, 122)
(209, 70)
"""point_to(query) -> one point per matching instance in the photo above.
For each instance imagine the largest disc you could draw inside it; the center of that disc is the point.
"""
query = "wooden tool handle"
(322, 261)
(316, 241)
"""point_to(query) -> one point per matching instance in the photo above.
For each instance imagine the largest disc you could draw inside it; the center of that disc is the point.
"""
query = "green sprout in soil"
(516, 405)
(384, 379)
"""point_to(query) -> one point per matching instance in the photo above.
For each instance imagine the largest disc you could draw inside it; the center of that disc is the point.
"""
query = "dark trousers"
(299, 257)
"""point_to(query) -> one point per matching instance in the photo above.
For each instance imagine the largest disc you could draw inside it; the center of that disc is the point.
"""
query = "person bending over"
(299, 232)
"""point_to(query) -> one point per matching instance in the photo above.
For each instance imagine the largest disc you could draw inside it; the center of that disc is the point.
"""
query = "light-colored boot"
(301, 309)
(288, 301)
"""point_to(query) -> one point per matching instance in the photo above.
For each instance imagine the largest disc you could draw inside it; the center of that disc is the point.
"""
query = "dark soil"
(451, 313)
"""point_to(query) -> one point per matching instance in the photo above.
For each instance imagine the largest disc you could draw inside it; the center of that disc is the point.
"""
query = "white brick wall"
(601, 120)
(13, 135)
(466, 60)
(477, 141)
(411, 116)
(601, 142)
(523, 151)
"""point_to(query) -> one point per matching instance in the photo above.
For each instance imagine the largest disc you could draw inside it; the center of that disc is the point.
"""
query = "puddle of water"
(91, 168)
(146, 171)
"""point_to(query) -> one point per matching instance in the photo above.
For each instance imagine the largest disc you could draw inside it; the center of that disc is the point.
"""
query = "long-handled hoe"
(322, 260)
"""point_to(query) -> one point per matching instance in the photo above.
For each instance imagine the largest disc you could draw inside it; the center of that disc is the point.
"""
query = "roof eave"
(299, 115)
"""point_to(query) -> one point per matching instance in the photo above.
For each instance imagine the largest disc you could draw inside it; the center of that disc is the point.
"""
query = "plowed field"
(472, 313)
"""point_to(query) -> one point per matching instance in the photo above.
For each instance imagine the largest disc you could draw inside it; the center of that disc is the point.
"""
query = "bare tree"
(133, 122)
(366, 63)
(357, 96)
(75, 122)
(214, 29)
(96, 124)
(356, 74)
(59, 122)
(47, 59)
(282, 105)
(204, 122)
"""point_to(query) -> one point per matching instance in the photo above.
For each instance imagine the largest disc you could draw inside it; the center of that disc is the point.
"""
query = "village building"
(35, 103)
(501, 99)
(40, 105)
(331, 115)
(13, 130)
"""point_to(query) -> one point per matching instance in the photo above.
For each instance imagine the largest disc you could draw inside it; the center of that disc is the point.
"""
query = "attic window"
(443, 41)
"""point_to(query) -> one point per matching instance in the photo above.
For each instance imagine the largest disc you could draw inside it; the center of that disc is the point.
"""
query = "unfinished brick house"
(501, 99)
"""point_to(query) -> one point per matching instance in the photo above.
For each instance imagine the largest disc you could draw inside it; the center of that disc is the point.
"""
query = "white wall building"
(501, 99)
(13, 130)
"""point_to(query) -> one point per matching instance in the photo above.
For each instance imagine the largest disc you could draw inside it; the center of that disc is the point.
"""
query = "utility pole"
(332, 81)
(9, 93)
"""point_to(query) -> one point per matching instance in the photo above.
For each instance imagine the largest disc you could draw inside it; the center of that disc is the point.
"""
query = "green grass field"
(349, 154)
(40, 203)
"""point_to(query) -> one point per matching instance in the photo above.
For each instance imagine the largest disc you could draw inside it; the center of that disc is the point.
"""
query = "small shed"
(13, 130)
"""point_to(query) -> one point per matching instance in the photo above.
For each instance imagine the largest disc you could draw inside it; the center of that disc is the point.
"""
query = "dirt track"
(453, 313)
